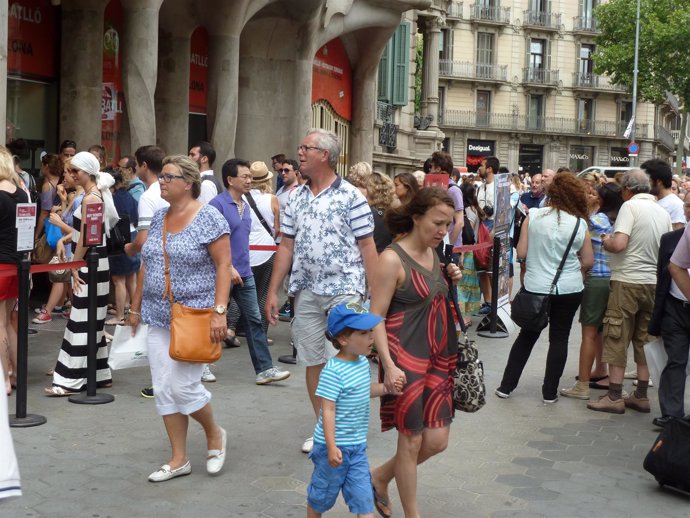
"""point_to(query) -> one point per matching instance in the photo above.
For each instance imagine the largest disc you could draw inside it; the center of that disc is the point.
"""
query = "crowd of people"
(358, 258)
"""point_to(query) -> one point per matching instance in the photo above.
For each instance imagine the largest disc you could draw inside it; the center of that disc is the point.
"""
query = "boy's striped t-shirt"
(349, 385)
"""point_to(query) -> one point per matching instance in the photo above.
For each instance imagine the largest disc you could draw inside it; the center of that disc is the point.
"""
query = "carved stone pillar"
(430, 101)
(140, 68)
(81, 71)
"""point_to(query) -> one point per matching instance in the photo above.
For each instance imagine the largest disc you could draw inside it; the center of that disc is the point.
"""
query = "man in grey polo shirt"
(328, 239)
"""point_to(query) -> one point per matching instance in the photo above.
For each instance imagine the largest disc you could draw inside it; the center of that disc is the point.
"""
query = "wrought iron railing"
(490, 13)
(455, 10)
(664, 136)
(540, 76)
(597, 82)
(585, 24)
(469, 70)
(542, 19)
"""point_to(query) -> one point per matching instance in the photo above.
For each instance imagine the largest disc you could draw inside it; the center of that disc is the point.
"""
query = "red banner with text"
(332, 78)
(113, 97)
(198, 71)
(33, 39)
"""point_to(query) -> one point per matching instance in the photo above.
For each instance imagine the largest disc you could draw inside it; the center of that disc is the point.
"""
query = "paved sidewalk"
(514, 458)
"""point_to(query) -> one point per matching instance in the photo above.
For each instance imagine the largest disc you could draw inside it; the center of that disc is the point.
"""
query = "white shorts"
(9, 469)
(177, 385)
(310, 324)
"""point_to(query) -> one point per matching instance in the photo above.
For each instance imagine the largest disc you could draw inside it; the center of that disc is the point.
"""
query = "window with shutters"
(485, 54)
(394, 68)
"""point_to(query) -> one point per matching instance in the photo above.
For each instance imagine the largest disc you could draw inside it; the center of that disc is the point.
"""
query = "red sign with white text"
(113, 97)
(198, 71)
(332, 78)
(33, 39)
(93, 228)
(436, 180)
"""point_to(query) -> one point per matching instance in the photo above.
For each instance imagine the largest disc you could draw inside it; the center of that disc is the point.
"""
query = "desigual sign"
(480, 148)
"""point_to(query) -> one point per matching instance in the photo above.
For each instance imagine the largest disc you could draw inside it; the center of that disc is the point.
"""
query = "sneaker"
(606, 404)
(284, 312)
(271, 375)
(208, 376)
(641, 404)
(550, 401)
(651, 384)
(65, 315)
(147, 392)
(308, 445)
(503, 394)
(578, 391)
(42, 318)
(630, 375)
(485, 309)
(40, 310)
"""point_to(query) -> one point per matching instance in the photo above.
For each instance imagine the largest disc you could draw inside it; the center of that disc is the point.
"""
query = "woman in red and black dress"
(417, 344)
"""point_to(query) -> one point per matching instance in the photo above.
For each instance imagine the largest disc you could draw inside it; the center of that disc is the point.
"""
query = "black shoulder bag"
(256, 210)
(530, 310)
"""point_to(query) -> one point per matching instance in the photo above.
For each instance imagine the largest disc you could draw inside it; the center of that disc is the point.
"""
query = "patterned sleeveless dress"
(423, 343)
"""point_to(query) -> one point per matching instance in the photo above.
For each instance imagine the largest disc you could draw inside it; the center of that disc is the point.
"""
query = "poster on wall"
(113, 97)
(332, 78)
(502, 221)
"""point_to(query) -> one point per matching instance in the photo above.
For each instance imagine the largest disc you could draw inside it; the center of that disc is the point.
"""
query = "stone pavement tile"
(547, 474)
(606, 462)
(547, 445)
(518, 480)
(572, 455)
(516, 514)
(534, 493)
(532, 462)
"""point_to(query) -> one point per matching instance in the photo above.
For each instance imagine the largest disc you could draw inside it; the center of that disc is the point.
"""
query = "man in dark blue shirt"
(532, 199)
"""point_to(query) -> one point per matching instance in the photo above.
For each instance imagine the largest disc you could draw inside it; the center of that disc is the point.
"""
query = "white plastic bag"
(657, 358)
(129, 351)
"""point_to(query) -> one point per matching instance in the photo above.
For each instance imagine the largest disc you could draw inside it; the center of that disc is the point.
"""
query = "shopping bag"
(129, 351)
(657, 358)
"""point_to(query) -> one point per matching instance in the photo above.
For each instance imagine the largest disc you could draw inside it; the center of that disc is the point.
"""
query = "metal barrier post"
(90, 397)
(21, 419)
(287, 358)
(493, 331)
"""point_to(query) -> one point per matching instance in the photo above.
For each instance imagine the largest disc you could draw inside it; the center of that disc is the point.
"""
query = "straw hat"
(260, 172)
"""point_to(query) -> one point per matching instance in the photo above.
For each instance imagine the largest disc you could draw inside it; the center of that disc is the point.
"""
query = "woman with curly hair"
(358, 176)
(381, 196)
(406, 186)
(543, 241)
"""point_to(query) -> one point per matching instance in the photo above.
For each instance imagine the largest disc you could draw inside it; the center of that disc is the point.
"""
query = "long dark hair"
(399, 219)
(610, 198)
(409, 181)
(469, 198)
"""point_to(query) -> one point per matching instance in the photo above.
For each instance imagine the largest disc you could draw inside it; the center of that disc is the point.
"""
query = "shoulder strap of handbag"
(256, 210)
(565, 256)
(166, 262)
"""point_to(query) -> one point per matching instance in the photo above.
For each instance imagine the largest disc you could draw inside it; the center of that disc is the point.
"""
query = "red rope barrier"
(472, 248)
(263, 248)
(10, 270)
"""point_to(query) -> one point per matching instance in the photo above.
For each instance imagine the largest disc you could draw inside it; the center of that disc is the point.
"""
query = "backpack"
(467, 231)
(482, 257)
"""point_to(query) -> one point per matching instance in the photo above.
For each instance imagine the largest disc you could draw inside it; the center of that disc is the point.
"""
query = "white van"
(610, 172)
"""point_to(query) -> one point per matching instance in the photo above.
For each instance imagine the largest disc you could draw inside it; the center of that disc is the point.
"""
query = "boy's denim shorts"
(352, 476)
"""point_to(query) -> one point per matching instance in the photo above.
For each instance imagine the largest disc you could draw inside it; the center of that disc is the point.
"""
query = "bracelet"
(132, 312)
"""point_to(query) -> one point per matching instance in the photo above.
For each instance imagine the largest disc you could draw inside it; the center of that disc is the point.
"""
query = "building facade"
(250, 76)
(517, 80)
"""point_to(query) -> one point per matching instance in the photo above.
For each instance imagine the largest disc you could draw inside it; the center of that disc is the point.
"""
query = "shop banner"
(113, 97)
(198, 72)
(332, 78)
(33, 41)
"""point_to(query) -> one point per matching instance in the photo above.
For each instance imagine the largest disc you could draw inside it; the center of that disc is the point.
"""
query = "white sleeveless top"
(258, 234)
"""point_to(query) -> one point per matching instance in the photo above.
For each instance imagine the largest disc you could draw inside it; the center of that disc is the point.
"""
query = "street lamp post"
(633, 159)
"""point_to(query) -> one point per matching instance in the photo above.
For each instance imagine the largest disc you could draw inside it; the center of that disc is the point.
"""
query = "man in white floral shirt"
(329, 246)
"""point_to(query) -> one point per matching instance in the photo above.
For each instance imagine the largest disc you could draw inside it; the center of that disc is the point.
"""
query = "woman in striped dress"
(70, 371)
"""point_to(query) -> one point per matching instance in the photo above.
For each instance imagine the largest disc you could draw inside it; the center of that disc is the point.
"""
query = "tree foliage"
(664, 61)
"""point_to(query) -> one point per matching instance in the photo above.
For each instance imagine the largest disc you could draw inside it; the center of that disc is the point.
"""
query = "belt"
(684, 303)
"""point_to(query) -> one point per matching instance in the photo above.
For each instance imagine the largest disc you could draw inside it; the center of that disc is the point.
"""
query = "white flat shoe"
(216, 458)
(165, 473)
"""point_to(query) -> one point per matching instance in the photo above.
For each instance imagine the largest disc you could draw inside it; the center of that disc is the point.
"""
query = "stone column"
(140, 68)
(432, 39)
(81, 71)
(223, 77)
(3, 68)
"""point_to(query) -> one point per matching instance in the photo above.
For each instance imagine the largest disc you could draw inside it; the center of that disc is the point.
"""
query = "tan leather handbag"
(190, 328)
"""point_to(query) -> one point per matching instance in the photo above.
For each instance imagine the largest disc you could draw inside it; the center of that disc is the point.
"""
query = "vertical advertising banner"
(113, 97)
(502, 221)
(332, 78)
(198, 72)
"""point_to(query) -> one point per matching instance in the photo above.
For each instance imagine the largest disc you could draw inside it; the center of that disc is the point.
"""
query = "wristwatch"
(221, 310)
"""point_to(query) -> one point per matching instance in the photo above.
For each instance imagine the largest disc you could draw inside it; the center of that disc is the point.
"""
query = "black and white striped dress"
(70, 371)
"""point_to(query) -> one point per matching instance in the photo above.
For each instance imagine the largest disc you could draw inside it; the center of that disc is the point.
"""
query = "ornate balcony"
(472, 71)
(665, 138)
(540, 77)
(524, 123)
(491, 15)
(585, 25)
(454, 11)
(591, 82)
(676, 135)
(542, 20)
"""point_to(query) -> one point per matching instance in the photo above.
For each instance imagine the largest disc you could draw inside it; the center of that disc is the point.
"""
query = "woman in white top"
(265, 203)
(543, 241)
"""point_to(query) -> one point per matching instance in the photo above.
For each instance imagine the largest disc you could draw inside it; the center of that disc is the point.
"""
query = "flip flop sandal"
(597, 386)
(58, 392)
(115, 322)
(595, 379)
(382, 504)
